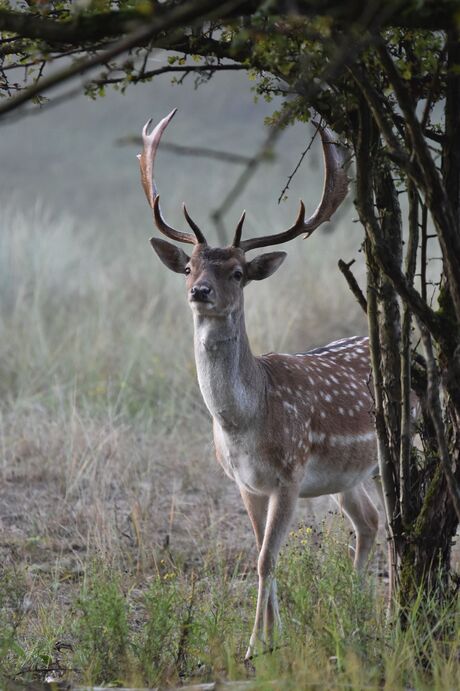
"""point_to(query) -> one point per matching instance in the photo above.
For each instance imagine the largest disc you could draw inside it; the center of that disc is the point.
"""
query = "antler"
(146, 161)
(334, 192)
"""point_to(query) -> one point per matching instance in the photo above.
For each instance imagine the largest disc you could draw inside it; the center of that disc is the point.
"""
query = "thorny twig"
(299, 163)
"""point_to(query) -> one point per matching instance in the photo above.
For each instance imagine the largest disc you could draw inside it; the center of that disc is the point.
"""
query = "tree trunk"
(418, 498)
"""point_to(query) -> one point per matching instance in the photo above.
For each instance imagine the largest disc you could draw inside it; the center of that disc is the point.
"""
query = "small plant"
(12, 597)
(329, 606)
(103, 649)
(157, 642)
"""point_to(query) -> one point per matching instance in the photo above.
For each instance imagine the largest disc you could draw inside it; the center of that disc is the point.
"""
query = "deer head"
(215, 277)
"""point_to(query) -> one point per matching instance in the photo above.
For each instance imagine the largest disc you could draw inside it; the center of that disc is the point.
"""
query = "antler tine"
(238, 231)
(334, 192)
(146, 161)
(198, 234)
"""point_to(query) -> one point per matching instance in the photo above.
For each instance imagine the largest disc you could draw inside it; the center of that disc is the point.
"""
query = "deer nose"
(200, 292)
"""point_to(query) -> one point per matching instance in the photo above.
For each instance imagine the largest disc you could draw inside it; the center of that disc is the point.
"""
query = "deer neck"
(230, 379)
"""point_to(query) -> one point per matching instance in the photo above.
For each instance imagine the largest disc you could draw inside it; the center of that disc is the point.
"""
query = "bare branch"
(364, 143)
(198, 151)
(169, 69)
(406, 374)
(299, 163)
(353, 283)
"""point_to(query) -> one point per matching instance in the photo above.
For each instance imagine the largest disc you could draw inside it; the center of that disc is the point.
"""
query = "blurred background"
(106, 444)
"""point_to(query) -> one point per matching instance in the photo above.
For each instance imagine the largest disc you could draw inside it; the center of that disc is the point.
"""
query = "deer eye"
(237, 275)
(187, 270)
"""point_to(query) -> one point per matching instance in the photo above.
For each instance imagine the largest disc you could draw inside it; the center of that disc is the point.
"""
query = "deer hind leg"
(364, 517)
(279, 510)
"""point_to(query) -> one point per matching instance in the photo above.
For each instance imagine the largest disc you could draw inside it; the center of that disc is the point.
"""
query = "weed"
(103, 651)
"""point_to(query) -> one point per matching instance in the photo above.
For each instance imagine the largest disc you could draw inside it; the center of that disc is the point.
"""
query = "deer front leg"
(256, 505)
(281, 507)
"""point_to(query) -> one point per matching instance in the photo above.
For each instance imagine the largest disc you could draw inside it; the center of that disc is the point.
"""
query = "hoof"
(249, 653)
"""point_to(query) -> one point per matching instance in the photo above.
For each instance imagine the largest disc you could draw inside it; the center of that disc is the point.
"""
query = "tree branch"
(435, 411)
(83, 27)
(198, 151)
(177, 16)
(434, 190)
(167, 69)
(380, 116)
(406, 373)
(353, 283)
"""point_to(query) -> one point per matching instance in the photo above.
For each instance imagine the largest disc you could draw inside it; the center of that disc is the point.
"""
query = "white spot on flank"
(347, 439)
(318, 437)
(289, 406)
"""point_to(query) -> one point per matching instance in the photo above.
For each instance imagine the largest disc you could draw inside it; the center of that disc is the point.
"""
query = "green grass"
(187, 625)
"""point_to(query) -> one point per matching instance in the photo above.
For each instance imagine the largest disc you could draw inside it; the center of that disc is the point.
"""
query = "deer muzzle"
(201, 292)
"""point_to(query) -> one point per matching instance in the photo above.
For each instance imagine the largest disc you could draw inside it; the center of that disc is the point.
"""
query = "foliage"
(181, 625)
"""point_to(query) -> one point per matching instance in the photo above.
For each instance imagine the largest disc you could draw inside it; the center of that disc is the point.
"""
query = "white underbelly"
(337, 469)
(323, 477)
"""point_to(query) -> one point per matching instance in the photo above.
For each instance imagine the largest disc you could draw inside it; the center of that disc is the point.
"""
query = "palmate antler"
(334, 192)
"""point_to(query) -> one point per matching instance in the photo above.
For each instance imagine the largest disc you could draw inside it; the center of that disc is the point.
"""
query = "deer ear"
(264, 265)
(171, 256)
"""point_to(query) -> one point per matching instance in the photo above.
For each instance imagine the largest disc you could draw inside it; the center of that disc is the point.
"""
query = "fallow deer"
(285, 425)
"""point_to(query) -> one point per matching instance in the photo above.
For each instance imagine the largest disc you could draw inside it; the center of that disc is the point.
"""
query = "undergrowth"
(181, 624)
